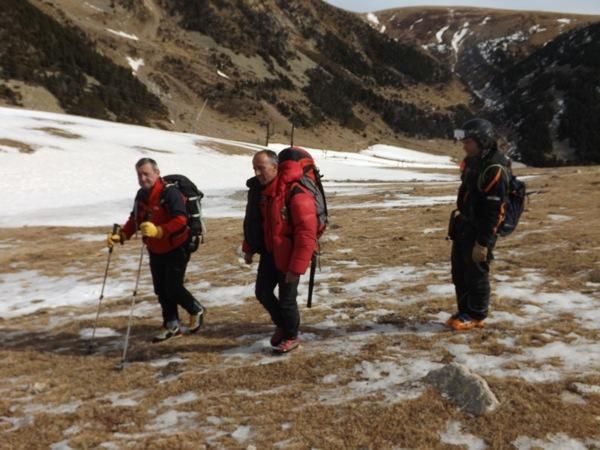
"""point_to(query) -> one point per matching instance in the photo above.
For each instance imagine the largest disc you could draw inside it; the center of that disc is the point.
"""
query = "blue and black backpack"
(514, 200)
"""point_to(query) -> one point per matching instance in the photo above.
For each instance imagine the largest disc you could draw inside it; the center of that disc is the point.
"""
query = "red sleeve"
(304, 221)
(129, 227)
(246, 248)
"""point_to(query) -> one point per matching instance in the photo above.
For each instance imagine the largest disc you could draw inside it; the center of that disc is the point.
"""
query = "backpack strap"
(504, 171)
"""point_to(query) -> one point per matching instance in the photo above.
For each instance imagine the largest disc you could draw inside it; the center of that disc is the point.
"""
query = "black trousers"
(283, 310)
(471, 280)
(168, 272)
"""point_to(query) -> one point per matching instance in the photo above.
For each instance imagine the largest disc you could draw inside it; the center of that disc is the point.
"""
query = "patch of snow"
(441, 290)
(401, 201)
(587, 388)
(86, 333)
(411, 158)
(87, 237)
(17, 422)
(73, 429)
(222, 75)
(414, 23)
(455, 435)
(242, 434)
(440, 34)
(163, 362)
(66, 408)
(110, 446)
(225, 295)
(134, 63)
(186, 397)
(62, 445)
(33, 291)
(89, 5)
(559, 217)
(133, 37)
(432, 230)
(486, 20)
(119, 399)
(329, 379)
(173, 422)
(536, 29)
(488, 48)
(373, 18)
(564, 21)
(459, 36)
(559, 441)
(395, 381)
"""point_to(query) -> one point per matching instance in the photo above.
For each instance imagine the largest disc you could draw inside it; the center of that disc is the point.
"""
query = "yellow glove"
(480, 253)
(114, 238)
(150, 230)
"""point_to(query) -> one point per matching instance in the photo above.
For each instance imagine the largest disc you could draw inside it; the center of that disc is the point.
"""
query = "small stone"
(38, 388)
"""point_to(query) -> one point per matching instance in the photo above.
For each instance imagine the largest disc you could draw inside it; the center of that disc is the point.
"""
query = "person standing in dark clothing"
(480, 210)
(281, 225)
(160, 214)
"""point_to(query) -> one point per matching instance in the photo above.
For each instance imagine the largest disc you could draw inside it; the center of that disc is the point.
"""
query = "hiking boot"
(452, 318)
(287, 345)
(167, 333)
(277, 337)
(196, 320)
(464, 322)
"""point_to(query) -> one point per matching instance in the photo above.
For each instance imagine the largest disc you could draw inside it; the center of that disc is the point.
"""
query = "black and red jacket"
(288, 218)
(164, 207)
(482, 193)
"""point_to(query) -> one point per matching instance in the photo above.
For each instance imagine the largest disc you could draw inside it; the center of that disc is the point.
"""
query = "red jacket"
(289, 220)
(164, 208)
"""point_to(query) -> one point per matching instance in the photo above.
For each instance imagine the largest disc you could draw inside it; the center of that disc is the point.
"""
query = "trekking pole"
(137, 281)
(115, 230)
(311, 280)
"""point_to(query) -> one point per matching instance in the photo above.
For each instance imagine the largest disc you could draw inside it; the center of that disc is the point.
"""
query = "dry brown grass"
(59, 132)
(22, 147)
(282, 399)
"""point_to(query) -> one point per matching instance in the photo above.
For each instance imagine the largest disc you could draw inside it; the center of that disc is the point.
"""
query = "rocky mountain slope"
(308, 63)
(237, 68)
(522, 69)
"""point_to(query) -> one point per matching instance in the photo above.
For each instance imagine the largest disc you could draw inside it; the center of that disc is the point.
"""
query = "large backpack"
(311, 181)
(514, 200)
(193, 204)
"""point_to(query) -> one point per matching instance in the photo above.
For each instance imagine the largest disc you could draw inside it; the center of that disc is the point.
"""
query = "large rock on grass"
(465, 389)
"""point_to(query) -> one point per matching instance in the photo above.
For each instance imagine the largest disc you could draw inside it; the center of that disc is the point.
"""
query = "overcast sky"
(572, 6)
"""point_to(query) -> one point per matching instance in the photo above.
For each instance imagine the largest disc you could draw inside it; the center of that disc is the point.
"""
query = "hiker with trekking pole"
(282, 224)
(162, 217)
(489, 204)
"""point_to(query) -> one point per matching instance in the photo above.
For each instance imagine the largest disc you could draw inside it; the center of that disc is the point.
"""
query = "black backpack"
(514, 200)
(193, 197)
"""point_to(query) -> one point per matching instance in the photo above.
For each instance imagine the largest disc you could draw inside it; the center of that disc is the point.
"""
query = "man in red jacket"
(281, 225)
(159, 212)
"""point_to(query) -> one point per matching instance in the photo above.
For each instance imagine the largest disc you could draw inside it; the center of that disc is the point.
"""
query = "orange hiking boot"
(451, 319)
(464, 322)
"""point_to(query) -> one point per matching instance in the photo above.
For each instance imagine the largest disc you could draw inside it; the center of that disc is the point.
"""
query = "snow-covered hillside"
(75, 171)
